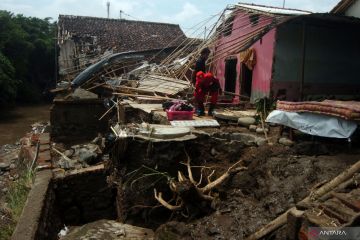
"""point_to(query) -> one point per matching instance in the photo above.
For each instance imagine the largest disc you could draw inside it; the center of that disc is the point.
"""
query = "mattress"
(349, 110)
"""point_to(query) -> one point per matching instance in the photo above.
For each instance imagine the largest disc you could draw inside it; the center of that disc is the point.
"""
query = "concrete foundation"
(77, 120)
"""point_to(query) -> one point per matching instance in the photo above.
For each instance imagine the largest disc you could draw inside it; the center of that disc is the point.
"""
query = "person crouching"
(206, 84)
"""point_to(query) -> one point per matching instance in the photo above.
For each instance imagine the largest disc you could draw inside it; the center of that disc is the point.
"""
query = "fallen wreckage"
(143, 166)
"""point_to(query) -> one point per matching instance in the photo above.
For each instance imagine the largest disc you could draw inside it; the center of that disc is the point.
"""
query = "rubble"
(83, 94)
(286, 141)
(109, 230)
(80, 156)
(246, 121)
(233, 176)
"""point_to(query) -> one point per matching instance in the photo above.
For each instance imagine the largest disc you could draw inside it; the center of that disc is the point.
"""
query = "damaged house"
(83, 41)
(347, 8)
(287, 54)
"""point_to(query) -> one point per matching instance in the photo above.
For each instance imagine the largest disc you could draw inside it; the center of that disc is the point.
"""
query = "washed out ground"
(277, 178)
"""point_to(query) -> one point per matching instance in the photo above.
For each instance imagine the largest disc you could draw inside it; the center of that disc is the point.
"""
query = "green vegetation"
(15, 202)
(27, 56)
(264, 106)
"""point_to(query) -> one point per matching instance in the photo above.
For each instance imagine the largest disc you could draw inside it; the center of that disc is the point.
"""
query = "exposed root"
(158, 196)
(188, 191)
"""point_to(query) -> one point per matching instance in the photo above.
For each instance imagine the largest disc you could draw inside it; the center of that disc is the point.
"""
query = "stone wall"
(39, 219)
(84, 197)
(77, 120)
(75, 199)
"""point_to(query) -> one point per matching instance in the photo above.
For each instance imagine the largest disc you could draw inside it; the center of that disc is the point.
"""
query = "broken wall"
(84, 197)
(77, 120)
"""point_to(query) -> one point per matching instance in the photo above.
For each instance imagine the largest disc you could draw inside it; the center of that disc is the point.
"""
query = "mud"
(277, 178)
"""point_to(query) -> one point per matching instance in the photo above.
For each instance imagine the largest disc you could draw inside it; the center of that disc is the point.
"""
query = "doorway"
(230, 75)
(245, 80)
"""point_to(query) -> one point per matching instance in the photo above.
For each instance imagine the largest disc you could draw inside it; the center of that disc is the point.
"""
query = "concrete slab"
(165, 132)
(148, 108)
(234, 115)
(27, 226)
(196, 123)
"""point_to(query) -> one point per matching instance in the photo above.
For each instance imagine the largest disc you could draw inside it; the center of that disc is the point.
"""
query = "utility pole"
(284, 4)
(108, 9)
(205, 33)
(121, 11)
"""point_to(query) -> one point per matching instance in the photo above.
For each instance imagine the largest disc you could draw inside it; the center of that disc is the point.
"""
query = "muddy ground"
(277, 178)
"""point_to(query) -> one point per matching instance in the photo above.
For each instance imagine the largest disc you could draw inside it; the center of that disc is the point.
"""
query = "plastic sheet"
(314, 124)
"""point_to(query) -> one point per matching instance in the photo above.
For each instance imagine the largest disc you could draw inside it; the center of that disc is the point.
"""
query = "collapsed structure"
(85, 40)
(231, 176)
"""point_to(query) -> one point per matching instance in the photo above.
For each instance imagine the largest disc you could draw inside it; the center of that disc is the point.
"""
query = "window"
(254, 19)
(228, 25)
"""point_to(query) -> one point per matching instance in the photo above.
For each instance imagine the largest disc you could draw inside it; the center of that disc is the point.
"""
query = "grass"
(15, 202)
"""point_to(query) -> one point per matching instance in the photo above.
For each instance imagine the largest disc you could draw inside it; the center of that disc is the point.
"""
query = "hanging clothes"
(248, 57)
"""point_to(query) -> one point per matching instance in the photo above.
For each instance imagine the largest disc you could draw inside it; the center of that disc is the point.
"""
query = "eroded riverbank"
(16, 122)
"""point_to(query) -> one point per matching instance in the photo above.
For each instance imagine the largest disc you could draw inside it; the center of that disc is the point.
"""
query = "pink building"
(291, 54)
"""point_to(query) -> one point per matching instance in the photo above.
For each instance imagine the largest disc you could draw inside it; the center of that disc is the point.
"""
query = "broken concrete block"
(65, 164)
(261, 130)
(69, 153)
(248, 139)
(165, 132)
(252, 128)
(226, 116)
(4, 166)
(260, 141)
(246, 121)
(83, 94)
(286, 142)
(87, 156)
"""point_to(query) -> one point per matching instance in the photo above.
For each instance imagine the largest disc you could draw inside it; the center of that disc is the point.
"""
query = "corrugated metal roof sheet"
(272, 10)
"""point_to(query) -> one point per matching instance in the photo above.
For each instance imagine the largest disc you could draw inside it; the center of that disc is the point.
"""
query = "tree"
(27, 47)
(8, 85)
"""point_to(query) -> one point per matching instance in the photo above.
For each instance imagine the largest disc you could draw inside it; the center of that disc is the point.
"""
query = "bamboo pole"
(147, 96)
(281, 220)
(106, 112)
(236, 95)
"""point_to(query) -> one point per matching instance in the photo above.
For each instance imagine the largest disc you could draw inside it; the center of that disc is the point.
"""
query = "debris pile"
(80, 155)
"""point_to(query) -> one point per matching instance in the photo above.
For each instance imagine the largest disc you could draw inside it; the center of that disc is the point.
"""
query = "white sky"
(187, 13)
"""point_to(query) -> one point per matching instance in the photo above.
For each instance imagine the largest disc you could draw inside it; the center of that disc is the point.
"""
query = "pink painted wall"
(262, 72)
(227, 47)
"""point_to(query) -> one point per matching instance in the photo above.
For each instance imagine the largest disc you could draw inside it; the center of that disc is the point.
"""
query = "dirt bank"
(277, 178)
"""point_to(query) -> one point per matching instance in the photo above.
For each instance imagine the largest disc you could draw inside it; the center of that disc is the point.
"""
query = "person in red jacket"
(206, 84)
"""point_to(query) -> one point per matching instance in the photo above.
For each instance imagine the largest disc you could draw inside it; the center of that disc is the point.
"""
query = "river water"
(16, 122)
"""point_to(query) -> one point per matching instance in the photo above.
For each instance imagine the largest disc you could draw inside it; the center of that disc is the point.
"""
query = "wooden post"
(294, 221)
